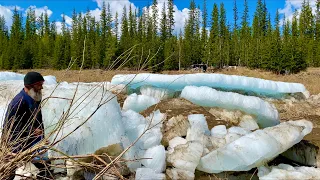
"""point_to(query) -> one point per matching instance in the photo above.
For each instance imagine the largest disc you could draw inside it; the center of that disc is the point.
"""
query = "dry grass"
(310, 78)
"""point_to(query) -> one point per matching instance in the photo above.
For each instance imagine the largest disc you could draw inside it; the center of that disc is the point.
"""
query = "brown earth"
(179, 106)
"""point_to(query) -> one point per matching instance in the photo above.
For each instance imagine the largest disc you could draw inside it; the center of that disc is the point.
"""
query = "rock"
(27, 170)
(176, 174)
(176, 126)
(111, 150)
(304, 153)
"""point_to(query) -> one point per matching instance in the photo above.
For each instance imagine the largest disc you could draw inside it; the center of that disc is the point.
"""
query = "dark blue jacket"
(22, 118)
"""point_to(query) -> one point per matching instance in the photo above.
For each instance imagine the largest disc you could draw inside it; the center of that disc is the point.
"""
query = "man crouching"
(23, 125)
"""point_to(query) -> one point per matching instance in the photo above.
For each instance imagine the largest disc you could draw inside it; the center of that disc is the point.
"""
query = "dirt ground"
(310, 78)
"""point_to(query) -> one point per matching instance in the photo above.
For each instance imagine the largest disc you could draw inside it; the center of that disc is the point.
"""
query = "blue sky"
(57, 7)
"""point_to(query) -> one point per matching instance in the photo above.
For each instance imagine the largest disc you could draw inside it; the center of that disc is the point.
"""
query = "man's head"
(33, 82)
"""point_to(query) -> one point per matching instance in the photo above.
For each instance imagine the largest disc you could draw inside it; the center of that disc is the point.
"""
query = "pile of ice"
(284, 171)
(221, 81)
(266, 114)
(148, 147)
(256, 148)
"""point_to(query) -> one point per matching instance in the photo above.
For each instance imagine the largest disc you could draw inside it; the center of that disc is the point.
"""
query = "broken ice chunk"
(139, 103)
(255, 149)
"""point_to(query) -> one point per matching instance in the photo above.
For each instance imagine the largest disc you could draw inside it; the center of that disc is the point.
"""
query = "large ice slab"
(10, 76)
(284, 171)
(227, 82)
(104, 128)
(139, 103)
(255, 149)
(6, 76)
(266, 114)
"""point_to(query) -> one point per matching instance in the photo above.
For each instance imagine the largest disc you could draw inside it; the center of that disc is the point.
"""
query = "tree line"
(144, 40)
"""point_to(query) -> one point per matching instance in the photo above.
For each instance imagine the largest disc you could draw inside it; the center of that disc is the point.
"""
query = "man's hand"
(38, 132)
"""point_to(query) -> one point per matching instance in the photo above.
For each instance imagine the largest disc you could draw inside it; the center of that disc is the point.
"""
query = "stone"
(176, 174)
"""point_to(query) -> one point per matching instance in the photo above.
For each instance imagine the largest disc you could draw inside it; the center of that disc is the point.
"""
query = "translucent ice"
(255, 149)
(139, 103)
(105, 127)
(155, 159)
(132, 119)
(227, 82)
(158, 93)
(219, 131)
(5, 76)
(147, 173)
(9, 76)
(284, 171)
(201, 120)
(267, 115)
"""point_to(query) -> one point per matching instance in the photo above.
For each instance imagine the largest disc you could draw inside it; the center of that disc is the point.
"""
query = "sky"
(55, 8)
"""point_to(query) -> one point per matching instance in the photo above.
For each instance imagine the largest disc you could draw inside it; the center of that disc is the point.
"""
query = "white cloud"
(291, 6)
(15, 7)
(117, 6)
(40, 10)
(59, 27)
(7, 13)
(96, 14)
(180, 16)
(68, 20)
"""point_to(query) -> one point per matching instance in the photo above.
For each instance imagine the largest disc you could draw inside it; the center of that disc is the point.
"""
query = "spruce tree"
(317, 35)
(213, 46)
(244, 36)
(204, 33)
(170, 18)
(14, 57)
(3, 41)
